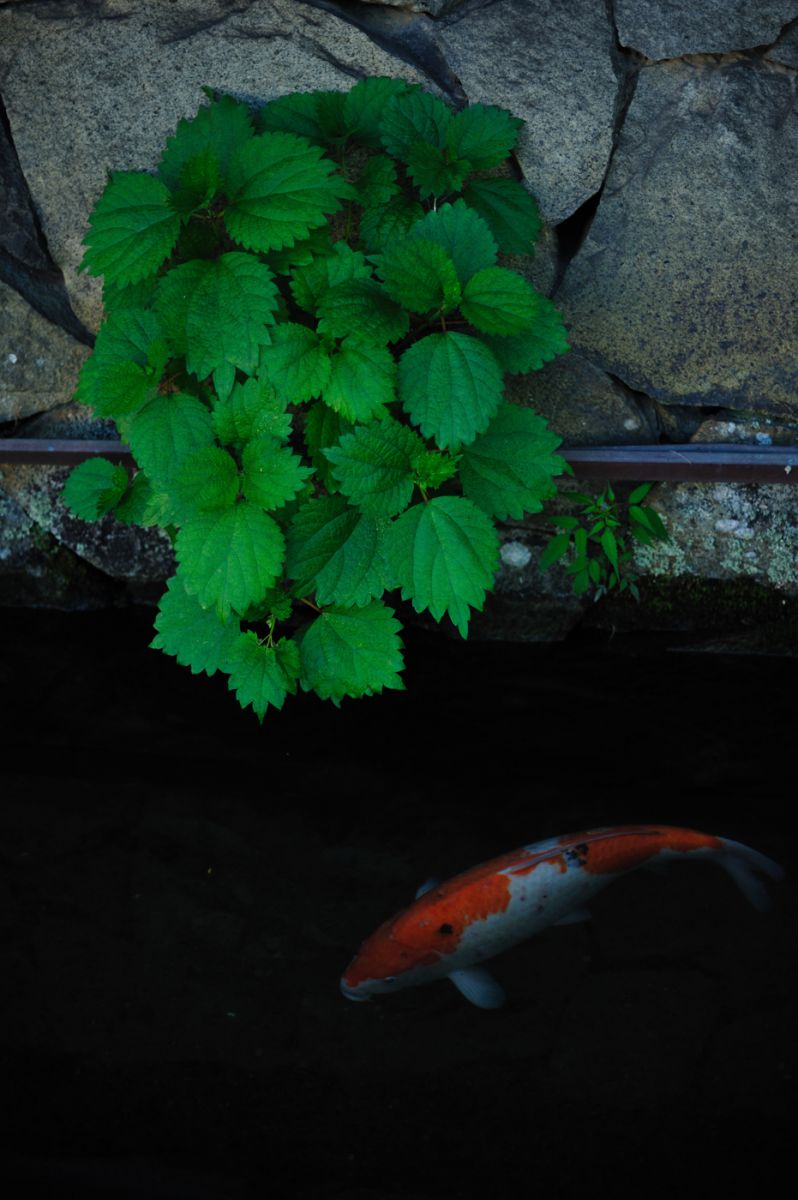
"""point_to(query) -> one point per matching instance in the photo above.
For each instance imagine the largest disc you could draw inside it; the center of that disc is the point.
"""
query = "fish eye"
(446, 929)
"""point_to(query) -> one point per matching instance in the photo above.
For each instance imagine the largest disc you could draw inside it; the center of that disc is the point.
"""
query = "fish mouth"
(352, 994)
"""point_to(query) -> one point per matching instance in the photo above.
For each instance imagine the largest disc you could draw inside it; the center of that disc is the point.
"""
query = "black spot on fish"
(446, 929)
(577, 855)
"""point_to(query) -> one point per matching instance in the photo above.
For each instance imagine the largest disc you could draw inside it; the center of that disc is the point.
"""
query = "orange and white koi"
(452, 927)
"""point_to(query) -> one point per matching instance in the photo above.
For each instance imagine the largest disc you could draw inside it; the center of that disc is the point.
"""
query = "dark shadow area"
(182, 888)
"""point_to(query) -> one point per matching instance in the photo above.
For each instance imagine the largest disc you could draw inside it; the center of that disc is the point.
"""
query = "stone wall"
(661, 141)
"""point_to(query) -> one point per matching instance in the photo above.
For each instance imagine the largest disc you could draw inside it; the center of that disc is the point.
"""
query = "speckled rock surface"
(669, 28)
(725, 531)
(786, 48)
(583, 405)
(37, 571)
(553, 66)
(39, 363)
(685, 284)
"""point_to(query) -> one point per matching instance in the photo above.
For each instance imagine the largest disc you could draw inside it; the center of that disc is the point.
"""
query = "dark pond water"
(181, 890)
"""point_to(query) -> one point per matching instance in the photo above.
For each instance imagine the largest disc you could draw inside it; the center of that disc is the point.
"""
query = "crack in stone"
(571, 232)
(406, 36)
(36, 277)
(186, 32)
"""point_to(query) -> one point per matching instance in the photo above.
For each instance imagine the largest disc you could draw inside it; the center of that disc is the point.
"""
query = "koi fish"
(452, 927)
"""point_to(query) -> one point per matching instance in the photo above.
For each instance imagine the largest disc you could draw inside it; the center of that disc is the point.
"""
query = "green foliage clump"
(308, 327)
(596, 539)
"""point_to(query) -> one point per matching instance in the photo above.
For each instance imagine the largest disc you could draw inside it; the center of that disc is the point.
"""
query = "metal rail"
(692, 463)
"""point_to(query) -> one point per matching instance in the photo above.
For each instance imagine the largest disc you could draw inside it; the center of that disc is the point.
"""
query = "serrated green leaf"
(207, 480)
(195, 636)
(365, 104)
(296, 362)
(528, 351)
(510, 212)
(484, 134)
(229, 559)
(351, 652)
(362, 305)
(374, 466)
(216, 313)
(272, 473)
(436, 172)
(166, 431)
(296, 113)
(126, 366)
(281, 188)
(173, 296)
(113, 389)
(420, 276)
(317, 244)
(432, 469)
(464, 236)
(411, 117)
(377, 184)
(252, 408)
(383, 224)
(332, 122)
(496, 300)
(127, 363)
(200, 181)
(450, 385)
(140, 295)
(261, 675)
(219, 129)
(508, 470)
(362, 380)
(324, 428)
(135, 506)
(131, 230)
(93, 488)
(444, 555)
(311, 282)
(227, 316)
(336, 552)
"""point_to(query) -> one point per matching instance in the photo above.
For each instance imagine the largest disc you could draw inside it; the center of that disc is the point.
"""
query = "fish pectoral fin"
(427, 887)
(576, 917)
(478, 986)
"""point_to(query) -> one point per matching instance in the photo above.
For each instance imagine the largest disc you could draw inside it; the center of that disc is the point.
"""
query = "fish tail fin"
(741, 862)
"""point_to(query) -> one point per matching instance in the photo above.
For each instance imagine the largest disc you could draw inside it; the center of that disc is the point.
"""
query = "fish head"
(401, 953)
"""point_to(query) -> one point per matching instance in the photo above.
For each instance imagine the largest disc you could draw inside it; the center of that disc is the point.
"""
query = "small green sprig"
(308, 325)
(597, 540)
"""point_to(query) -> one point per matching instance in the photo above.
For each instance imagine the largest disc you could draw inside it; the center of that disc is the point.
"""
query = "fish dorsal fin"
(427, 887)
(479, 987)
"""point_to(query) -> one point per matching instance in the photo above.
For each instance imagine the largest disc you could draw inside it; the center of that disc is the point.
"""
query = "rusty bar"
(692, 463)
(698, 462)
(55, 452)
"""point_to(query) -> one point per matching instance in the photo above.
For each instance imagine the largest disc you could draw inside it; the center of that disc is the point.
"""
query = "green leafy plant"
(308, 324)
(597, 540)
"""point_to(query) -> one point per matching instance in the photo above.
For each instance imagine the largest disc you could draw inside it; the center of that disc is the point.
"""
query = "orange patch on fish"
(610, 851)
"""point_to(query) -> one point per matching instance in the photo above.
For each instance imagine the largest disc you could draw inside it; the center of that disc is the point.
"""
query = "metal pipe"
(695, 462)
